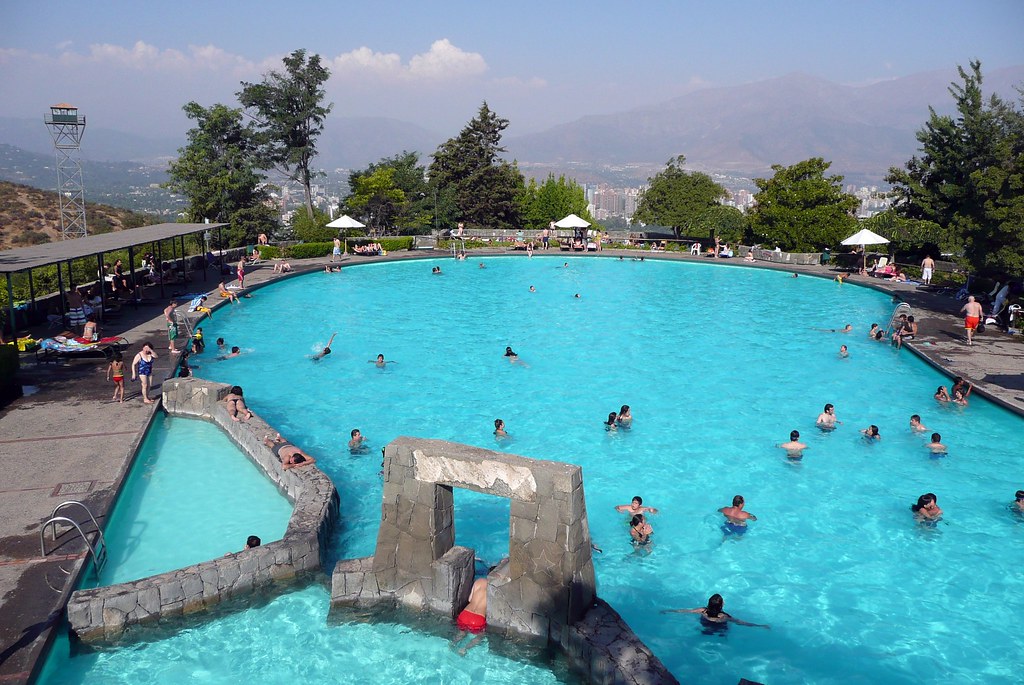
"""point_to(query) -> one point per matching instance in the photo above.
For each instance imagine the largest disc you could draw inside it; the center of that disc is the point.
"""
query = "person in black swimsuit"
(712, 615)
(290, 455)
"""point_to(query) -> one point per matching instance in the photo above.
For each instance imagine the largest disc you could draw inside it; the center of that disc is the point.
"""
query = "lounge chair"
(695, 249)
(564, 245)
(55, 349)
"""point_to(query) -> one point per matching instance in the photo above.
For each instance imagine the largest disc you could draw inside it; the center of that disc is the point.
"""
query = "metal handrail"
(901, 308)
(99, 552)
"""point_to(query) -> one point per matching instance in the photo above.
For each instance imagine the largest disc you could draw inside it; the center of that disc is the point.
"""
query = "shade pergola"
(56, 253)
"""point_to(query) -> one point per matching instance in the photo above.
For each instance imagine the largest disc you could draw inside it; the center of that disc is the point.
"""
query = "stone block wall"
(544, 590)
(796, 258)
(102, 614)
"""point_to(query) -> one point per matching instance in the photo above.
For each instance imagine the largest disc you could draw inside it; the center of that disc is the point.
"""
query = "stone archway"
(546, 585)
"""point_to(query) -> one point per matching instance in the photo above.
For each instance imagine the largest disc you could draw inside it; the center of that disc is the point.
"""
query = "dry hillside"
(29, 216)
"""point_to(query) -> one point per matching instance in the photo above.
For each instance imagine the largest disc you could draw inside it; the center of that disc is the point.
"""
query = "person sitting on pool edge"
(794, 448)
(635, 507)
(290, 455)
(639, 530)
(712, 615)
(735, 518)
(472, 620)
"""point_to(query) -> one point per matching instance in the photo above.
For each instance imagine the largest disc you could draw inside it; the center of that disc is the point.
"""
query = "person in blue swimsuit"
(142, 369)
(735, 518)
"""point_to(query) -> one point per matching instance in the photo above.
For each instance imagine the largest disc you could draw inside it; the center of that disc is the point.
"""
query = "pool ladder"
(98, 551)
(901, 308)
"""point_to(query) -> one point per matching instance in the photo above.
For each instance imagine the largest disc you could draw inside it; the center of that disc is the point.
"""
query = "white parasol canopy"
(345, 221)
(865, 237)
(572, 221)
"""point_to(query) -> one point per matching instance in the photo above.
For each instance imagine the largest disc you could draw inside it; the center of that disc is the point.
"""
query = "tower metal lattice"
(66, 128)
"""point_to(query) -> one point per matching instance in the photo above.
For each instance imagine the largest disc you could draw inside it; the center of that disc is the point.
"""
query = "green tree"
(911, 235)
(313, 229)
(969, 176)
(467, 169)
(219, 172)
(290, 114)
(376, 199)
(800, 209)
(722, 220)
(675, 198)
(543, 203)
(414, 212)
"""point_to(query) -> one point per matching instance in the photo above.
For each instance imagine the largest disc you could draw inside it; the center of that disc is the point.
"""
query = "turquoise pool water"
(718, 364)
(192, 496)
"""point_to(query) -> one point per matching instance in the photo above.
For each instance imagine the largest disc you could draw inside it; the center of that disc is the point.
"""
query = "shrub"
(269, 251)
(310, 250)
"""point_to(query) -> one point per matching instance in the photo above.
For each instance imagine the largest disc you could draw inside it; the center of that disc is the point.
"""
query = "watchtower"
(67, 127)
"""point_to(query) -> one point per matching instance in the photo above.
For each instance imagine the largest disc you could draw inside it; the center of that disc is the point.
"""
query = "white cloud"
(442, 62)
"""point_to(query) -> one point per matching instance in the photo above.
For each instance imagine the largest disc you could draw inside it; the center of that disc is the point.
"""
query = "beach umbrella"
(863, 238)
(572, 221)
(345, 221)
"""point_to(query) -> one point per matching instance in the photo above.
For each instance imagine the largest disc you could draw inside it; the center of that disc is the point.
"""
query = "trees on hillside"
(540, 204)
(392, 194)
(675, 198)
(801, 209)
(219, 172)
(288, 107)
(969, 176)
(468, 170)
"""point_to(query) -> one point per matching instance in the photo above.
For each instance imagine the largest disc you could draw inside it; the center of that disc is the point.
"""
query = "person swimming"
(871, 433)
(794, 448)
(639, 530)
(612, 422)
(936, 445)
(827, 418)
(735, 518)
(625, 418)
(326, 351)
(499, 429)
(380, 362)
(712, 616)
(1018, 504)
(927, 508)
(916, 425)
(636, 506)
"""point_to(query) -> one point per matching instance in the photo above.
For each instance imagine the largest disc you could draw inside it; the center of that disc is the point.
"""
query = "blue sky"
(130, 66)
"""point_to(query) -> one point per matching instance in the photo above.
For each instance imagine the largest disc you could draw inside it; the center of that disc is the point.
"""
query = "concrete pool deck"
(68, 441)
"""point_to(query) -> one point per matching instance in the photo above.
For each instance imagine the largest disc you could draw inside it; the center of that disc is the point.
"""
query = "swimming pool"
(189, 483)
(718, 364)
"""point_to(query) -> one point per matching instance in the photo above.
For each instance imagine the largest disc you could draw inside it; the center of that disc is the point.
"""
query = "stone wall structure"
(103, 614)
(795, 258)
(544, 590)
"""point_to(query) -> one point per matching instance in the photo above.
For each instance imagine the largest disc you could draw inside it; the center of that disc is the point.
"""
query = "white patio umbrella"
(863, 238)
(572, 221)
(345, 221)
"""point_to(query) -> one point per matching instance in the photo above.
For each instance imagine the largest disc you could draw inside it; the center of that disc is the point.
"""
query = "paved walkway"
(67, 440)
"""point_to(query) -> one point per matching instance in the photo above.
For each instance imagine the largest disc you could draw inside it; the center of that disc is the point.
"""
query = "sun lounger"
(55, 349)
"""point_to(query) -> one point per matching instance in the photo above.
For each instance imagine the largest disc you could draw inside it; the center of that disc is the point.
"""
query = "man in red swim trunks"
(473, 618)
(972, 317)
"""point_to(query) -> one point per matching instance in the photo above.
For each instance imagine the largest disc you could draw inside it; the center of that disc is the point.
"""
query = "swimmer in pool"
(611, 424)
(713, 616)
(735, 518)
(845, 329)
(512, 357)
(843, 352)
(326, 351)
(625, 418)
(235, 352)
(871, 433)
(499, 429)
(1018, 504)
(794, 448)
(379, 362)
(942, 395)
(357, 445)
(927, 508)
(936, 445)
(532, 289)
(635, 507)
(874, 330)
(827, 418)
(916, 425)
(436, 271)
(639, 530)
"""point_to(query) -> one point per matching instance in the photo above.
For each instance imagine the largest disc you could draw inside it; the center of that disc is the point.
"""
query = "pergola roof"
(25, 258)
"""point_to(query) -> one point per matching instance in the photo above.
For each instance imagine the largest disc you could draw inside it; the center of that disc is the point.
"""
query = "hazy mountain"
(745, 129)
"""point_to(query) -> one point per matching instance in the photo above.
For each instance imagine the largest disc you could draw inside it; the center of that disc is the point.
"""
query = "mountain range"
(740, 130)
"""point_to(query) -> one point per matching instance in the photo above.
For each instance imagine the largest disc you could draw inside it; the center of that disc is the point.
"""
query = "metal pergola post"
(10, 307)
(131, 271)
(160, 262)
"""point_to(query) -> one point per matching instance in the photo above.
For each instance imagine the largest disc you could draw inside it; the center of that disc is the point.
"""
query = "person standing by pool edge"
(972, 317)
(927, 264)
(142, 368)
